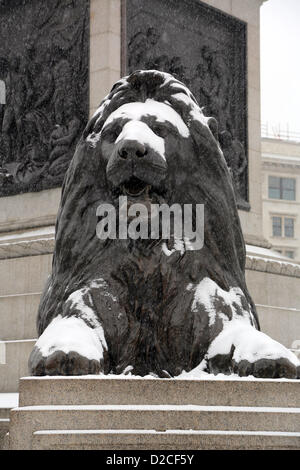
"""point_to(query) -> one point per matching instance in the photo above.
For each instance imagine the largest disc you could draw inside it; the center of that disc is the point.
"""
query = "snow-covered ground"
(192, 375)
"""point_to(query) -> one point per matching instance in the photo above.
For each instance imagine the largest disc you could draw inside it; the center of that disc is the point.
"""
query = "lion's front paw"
(61, 363)
(267, 368)
(262, 368)
(68, 347)
(243, 350)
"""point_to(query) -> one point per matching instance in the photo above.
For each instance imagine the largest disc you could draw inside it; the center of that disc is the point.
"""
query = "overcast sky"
(280, 63)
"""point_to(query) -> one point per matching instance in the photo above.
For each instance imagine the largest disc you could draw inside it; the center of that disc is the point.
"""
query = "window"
(288, 227)
(290, 254)
(282, 188)
(283, 226)
(277, 226)
(274, 187)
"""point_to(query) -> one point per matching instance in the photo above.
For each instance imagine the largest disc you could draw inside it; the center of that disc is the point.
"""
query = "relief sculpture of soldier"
(48, 153)
(67, 121)
(35, 149)
(235, 157)
(141, 48)
(37, 121)
(45, 88)
(213, 84)
(18, 97)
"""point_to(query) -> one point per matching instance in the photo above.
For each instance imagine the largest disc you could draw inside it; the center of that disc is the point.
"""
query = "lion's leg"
(242, 349)
(73, 343)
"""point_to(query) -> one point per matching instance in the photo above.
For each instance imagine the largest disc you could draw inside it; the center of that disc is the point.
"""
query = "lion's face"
(138, 141)
(146, 134)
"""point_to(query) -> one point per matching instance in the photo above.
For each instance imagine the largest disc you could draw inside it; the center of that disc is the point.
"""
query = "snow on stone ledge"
(9, 400)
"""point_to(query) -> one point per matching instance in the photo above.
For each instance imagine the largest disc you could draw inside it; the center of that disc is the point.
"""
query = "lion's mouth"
(135, 187)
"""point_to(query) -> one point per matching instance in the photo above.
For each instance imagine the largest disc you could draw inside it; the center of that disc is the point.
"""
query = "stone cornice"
(256, 263)
(17, 249)
(281, 165)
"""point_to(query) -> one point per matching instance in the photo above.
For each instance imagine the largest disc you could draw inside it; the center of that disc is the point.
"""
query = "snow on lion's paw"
(68, 346)
(243, 350)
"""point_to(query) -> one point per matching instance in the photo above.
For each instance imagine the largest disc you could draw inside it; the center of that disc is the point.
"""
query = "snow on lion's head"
(150, 141)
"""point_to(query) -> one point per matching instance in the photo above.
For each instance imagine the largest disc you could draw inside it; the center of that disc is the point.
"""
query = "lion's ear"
(214, 127)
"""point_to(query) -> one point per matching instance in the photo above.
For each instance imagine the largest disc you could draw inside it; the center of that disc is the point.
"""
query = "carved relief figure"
(18, 96)
(140, 47)
(46, 84)
(35, 147)
(234, 154)
(202, 79)
(62, 138)
(214, 67)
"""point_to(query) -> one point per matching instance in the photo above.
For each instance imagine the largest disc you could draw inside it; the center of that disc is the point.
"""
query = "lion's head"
(148, 140)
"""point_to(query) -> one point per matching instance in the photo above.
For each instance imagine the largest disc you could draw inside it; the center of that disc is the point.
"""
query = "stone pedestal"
(107, 45)
(23, 273)
(273, 284)
(68, 413)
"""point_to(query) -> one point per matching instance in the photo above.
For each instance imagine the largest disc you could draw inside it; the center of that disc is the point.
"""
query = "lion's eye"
(111, 135)
(115, 134)
(160, 130)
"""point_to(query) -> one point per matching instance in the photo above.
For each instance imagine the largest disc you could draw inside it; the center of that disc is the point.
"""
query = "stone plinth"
(112, 390)
(97, 412)
(180, 440)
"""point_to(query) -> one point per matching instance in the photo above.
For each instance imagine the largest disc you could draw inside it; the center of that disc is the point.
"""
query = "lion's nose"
(131, 149)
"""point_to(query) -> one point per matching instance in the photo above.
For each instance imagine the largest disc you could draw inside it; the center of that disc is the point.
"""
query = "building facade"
(281, 195)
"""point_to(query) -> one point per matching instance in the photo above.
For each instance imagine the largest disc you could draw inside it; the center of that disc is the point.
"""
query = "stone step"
(18, 316)
(111, 390)
(169, 440)
(4, 427)
(24, 275)
(27, 420)
(14, 363)
(7, 401)
(4, 412)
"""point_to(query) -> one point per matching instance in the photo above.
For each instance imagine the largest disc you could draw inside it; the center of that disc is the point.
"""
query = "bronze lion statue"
(150, 306)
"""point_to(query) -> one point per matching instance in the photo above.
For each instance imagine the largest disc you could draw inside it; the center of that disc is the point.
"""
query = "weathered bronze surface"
(153, 305)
